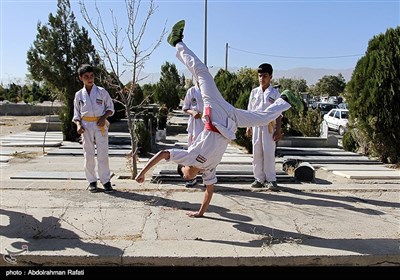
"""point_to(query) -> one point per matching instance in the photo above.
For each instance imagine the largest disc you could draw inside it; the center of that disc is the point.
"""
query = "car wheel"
(341, 130)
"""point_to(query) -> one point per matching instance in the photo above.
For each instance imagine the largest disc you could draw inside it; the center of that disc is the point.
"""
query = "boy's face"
(264, 79)
(87, 79)
(190, 172)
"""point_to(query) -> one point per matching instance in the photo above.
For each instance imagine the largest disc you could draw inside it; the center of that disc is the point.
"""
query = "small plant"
(162, 117)
(144, 137)
(348, 142)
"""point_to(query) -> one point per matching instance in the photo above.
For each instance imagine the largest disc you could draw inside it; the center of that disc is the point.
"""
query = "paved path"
(333, 221)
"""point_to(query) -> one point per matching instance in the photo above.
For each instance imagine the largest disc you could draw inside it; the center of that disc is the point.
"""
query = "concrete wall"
(41, 109)
(309, 142)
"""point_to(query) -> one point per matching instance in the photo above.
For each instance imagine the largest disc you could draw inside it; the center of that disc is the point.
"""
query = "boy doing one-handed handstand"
(221, 122)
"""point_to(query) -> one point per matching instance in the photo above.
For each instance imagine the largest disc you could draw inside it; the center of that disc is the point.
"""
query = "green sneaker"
(293, 99)
(176, 34)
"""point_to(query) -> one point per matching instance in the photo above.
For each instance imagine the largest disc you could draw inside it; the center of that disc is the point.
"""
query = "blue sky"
(288, 34)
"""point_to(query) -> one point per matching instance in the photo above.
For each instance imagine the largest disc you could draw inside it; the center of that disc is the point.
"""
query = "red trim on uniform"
(208, 125)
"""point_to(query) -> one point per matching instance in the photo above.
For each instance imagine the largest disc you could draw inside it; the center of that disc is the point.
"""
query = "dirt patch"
(16, 124)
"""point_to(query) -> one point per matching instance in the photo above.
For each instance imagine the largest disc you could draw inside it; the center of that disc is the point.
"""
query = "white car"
(337, 119)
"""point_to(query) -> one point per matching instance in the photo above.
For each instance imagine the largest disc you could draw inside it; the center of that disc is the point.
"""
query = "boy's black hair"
(265, 68)
(179, 169)
(85, 68)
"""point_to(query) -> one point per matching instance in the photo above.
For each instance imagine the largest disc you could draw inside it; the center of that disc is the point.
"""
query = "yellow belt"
(95, 119)
(271, 126)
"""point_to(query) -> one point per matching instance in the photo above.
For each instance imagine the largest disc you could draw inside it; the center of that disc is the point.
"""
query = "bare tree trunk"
(117, 61)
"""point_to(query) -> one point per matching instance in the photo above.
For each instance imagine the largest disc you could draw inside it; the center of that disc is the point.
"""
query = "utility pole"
(205, 32)
(226, 57)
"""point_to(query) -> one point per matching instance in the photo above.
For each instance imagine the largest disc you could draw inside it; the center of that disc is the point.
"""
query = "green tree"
(330, 85)
(169, 87)
(373, 96)
(2, 93)
(14, 93)
(60, 47)
(294, 85)
(228, 85)
(148, 92)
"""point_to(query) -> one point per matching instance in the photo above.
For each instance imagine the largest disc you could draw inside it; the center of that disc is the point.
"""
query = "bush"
(162, 117)
(144, 138)
(307, 123)
(349, 143)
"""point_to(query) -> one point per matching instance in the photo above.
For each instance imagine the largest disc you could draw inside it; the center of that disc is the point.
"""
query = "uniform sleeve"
(249, 105)
(77, 108)
(186, 101)
(179, 156)
(108, 102)
(209, 177)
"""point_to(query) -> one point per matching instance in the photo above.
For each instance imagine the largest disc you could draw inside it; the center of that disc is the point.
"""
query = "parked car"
(337, 119)
(343, 105)
(323, 107)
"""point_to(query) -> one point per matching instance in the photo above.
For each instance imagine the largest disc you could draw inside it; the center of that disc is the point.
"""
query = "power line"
(297, 57)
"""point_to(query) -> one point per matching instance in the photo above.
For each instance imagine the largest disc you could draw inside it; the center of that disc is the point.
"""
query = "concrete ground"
(48, 218)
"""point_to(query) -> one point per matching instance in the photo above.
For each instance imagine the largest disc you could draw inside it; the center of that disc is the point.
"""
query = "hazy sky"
(288, 34)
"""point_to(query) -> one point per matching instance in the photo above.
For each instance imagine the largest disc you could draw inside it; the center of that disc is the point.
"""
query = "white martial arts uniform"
(262, 136)
(193, 101)
(94, 105)
(207, 150)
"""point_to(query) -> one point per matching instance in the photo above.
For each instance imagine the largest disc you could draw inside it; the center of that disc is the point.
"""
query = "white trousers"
(263, 154)
(221, 109)
(94, 140)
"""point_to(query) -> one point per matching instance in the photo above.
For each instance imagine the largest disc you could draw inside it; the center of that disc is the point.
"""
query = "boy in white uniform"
(193, 106)
(264, 137)
(92, 106)
(221, 122)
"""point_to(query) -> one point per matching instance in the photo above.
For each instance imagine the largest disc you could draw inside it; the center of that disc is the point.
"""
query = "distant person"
(92, 106)
(193, 106)
(264, 137)
(221, 123)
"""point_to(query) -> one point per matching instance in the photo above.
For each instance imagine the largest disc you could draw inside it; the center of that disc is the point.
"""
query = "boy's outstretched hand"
(140, 178)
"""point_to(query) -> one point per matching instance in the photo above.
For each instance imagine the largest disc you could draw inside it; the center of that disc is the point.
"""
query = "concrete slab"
(317, 152)
(30, 144)
(393, 174)
(34, 136)
(221, 169)
(79, 152)
(334, 159)
(39, 175)
(5, 152)
(355, 167)
(76, 145)
(248, 228)
(225, 174)
(38, 133)
(5, 158)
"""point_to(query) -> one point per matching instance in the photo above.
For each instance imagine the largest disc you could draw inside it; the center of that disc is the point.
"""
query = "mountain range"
(311, 75)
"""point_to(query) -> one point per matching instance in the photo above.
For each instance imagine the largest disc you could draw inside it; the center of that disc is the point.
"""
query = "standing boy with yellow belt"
(264, 137)
(92, 106)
